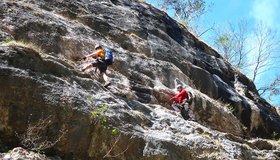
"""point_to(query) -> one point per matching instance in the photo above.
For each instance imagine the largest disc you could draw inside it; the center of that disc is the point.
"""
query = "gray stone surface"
(151, 50)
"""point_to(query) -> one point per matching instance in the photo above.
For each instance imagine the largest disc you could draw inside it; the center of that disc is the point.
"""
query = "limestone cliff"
(151, 50)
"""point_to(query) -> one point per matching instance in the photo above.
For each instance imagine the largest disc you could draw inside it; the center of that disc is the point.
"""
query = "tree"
(224, 44)
(186, 12)
(232, 44)
(266, 44)
(240, 39)
(251, 49)
(273, 88)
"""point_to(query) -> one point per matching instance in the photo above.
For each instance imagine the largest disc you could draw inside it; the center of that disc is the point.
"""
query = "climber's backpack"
(109, 58)
(190, 99)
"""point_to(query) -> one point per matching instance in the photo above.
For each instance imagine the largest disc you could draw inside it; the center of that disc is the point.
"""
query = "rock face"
(20, 153)
(151, 50)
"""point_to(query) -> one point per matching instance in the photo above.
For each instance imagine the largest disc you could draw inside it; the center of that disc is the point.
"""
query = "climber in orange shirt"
(100, 62)
(99, 55)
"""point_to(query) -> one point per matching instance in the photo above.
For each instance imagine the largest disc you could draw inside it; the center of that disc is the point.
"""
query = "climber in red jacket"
(180, 103)
(183, 95)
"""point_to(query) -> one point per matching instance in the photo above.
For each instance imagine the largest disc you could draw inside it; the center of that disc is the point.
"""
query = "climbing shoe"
(106, 84)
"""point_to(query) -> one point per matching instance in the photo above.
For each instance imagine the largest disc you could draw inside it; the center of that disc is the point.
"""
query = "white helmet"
(97, 46)
(179, 85)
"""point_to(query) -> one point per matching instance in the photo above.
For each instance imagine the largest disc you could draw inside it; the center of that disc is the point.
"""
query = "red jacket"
(179, 98)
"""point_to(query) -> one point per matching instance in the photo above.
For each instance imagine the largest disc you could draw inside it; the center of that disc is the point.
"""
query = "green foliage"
(232, 41)
(187, 12)
(274, 134)
(115, 131)
(205, 135)
(90, 98)
(98, 117)
(225, 44)
(230, 107)
(9, 151)
(224, 40)
(99, 112)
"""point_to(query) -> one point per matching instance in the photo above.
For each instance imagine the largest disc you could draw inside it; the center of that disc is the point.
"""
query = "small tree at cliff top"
(231, 43)
(251, 50)
(186, 12)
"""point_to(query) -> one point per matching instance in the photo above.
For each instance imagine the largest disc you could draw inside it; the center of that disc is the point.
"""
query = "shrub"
(35, 137)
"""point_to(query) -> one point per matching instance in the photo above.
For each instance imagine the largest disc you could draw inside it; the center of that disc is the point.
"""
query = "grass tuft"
(23, 44)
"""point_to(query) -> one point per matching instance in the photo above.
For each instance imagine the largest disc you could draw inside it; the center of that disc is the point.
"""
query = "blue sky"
(254, 11)
(223, 11)
(266, 11)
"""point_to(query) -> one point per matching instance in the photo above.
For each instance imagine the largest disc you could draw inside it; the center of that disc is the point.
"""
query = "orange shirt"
(101, 54)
